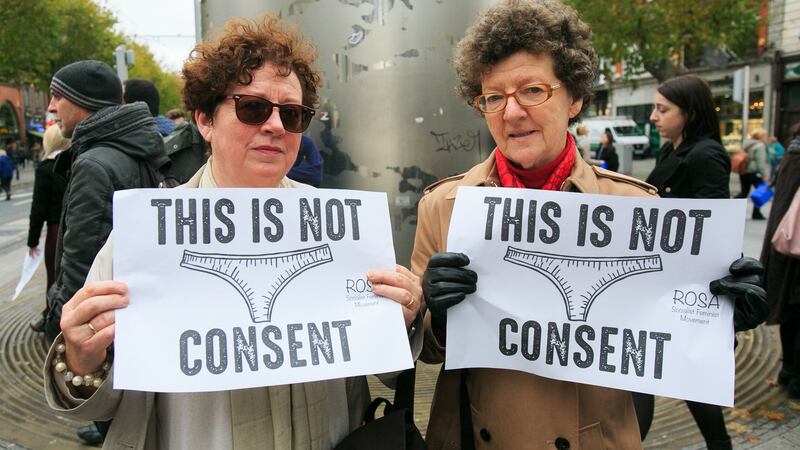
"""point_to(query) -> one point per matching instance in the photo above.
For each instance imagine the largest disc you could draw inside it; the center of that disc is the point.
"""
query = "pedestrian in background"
(606, 153)
(36, 152)
(775, 151)
(307, 167)
(693, 164)
(582, 142)
(757, 167)
(12, 151)
(177, 116)
(137, 90)
(783, 272)
(6, 173)
(48, 194)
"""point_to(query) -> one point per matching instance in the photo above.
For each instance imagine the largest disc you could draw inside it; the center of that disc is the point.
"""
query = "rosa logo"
(357, 286)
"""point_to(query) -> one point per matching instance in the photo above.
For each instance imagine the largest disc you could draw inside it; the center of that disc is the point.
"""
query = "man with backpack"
(110, 145)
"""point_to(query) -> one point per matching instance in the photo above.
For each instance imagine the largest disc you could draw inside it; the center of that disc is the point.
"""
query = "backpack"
(153, 178)
(739, 162)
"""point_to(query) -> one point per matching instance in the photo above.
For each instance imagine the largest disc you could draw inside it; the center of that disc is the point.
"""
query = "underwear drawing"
(259, 279)
(569, 274)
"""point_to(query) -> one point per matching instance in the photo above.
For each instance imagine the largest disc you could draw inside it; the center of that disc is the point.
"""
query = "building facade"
(774, 94)
(22, 115)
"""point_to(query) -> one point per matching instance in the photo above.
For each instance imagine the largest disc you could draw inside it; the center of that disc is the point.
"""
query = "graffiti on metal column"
(448, 142)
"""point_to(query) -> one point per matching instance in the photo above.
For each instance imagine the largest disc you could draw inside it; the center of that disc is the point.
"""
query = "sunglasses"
(253, 110)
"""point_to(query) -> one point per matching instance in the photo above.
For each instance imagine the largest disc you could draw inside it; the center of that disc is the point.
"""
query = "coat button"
(485, 435)
(668, 189)
(561, 443)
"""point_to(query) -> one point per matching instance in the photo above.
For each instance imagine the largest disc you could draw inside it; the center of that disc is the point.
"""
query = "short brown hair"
(173, 114)
(538, 27)
(241, 48)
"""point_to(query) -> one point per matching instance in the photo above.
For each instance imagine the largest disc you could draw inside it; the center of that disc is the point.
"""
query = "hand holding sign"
(94, 304)
(746, 286)
(446, 283)
(402, 286)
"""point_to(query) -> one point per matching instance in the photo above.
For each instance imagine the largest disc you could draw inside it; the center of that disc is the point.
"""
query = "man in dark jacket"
(109, 142)
(110, 145)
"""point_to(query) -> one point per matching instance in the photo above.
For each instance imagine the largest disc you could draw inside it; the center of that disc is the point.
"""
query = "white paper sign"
(29, 266)
(602, 290)
(239, 288)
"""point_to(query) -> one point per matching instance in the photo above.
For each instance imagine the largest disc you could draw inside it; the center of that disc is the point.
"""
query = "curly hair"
(241, 48)
(538, 27)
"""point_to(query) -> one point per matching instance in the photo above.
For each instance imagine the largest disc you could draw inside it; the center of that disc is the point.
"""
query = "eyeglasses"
(253, 110)
(530, 95)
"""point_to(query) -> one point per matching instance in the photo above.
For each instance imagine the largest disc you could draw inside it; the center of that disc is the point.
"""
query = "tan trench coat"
(510, 409)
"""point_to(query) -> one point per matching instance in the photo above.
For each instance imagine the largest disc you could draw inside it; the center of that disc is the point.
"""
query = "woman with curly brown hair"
(529, 68)
(252, 92)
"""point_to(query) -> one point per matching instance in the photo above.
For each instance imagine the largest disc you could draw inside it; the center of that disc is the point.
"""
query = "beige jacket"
(510, 409)
(301, 416)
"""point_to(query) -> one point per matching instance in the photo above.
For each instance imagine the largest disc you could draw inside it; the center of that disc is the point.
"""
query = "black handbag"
(396, 429)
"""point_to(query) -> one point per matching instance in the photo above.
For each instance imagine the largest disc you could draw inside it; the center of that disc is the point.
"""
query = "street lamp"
(123, 58)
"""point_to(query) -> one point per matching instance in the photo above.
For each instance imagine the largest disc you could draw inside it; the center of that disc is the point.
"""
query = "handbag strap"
(404, 390)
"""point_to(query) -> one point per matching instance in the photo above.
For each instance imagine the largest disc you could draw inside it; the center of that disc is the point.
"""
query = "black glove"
(446, 283)
(746, 285)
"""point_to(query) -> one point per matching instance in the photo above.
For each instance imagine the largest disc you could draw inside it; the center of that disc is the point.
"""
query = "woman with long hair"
(48, 193)
(693, 164)
(607, 153)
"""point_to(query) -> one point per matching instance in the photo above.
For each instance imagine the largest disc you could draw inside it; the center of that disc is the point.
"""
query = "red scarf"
(550, 177)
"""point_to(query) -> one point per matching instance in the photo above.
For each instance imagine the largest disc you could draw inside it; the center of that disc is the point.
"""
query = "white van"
(629, 141)
(626, 134)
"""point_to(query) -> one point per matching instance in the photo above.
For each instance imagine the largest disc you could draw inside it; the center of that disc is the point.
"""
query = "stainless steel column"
(389, 118)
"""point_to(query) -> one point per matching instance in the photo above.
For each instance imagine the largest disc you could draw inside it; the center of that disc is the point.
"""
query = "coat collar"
(582, 178)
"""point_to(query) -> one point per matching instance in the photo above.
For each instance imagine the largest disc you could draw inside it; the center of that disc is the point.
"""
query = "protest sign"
(238, 288)
(602, 290)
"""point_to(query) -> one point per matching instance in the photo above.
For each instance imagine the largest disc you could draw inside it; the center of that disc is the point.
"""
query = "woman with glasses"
(529, 69)
(252, 92)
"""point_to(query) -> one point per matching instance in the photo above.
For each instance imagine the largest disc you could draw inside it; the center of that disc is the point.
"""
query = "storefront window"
(730, 118)
(8, 123)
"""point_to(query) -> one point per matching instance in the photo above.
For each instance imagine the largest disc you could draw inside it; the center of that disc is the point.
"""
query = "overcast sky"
(166, 26)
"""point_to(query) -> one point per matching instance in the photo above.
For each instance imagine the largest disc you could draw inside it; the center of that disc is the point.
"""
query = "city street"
(763, 418)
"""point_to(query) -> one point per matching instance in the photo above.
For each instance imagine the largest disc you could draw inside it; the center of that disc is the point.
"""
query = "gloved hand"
(746, 285)
(446, 282)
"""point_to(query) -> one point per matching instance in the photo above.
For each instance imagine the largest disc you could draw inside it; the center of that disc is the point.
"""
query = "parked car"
(627, 135)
